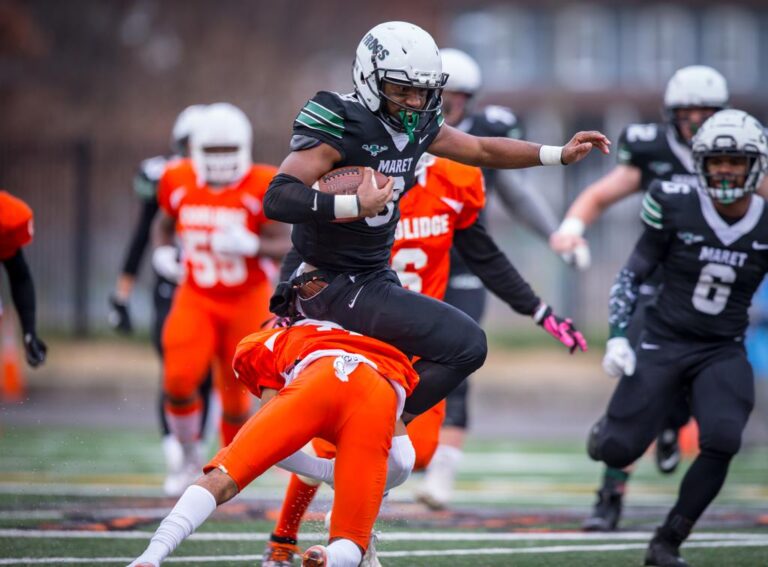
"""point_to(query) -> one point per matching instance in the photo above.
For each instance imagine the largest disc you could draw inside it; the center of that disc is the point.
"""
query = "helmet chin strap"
(410, 121)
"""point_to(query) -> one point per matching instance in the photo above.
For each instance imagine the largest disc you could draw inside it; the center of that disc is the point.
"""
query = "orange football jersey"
(15, 225)
(269, 359)
(199, 211)
(448, 196)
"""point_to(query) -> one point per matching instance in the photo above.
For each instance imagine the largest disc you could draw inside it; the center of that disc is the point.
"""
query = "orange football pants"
(202, 330)
(358, 416)
(424, 433)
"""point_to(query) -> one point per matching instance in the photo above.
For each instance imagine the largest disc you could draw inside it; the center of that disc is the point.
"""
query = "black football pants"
(721, 385)
(472, 301)
(450, 344)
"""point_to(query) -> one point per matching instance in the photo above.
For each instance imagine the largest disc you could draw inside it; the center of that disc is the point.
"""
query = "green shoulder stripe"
(650, 221)
(324, 113)
(310, 121)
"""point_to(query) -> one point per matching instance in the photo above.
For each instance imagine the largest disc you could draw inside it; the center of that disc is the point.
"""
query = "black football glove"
(119, 316)
(35, 349)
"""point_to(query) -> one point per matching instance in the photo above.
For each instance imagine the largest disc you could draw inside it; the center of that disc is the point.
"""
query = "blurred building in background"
(89, 88)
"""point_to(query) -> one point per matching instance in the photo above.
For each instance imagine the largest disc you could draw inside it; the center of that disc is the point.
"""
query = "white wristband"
(551, 155)
(345, 207)
(572, 226)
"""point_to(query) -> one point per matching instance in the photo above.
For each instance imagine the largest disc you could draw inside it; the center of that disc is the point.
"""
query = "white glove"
(165, 261)
(235, 240)
(619, 358)
(580, 258)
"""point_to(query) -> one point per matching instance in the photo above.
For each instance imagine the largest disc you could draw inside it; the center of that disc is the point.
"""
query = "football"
(345, 180)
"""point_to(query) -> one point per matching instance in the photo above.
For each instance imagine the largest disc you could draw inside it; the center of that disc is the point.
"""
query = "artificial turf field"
(92, 497)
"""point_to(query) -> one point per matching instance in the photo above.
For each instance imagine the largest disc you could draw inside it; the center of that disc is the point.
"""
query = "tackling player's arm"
(491, 265)
(291, 199)
(23, 295)
(508, 153)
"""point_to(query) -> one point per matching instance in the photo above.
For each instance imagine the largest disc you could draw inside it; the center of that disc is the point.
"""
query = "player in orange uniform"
(16, 228)
(224, 290)
(440, 211)
(347, 388)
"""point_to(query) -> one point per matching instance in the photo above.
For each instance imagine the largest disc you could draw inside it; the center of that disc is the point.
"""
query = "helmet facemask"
(408, 119)
(726, 188)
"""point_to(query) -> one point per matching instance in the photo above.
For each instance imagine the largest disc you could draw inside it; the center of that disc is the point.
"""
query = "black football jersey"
(146, 179)
(658, 153)
(362, 139)
(711, 268)
(492, 121)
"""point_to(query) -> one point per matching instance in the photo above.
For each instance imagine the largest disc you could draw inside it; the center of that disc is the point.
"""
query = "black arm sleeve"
(289, 200)
(291, 261)
(22, 290)
(647, 255)
(140, 237)
(492, 266)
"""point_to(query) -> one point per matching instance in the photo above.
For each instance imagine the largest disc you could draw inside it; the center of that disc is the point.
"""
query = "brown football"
(346, 180)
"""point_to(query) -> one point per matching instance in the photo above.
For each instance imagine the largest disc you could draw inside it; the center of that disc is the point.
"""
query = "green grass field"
(92, 497)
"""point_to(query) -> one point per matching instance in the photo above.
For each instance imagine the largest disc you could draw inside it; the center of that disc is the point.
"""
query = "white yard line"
(392, 536)
(414, 553)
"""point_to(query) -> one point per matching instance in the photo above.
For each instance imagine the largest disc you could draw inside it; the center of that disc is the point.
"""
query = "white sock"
(186, 428)
(192, 509)
(447, 456)
(344, 553)
(402, 457)
(308, 466)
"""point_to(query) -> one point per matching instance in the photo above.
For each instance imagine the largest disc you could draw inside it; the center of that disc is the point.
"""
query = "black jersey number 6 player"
(391, 119)
(712, 241)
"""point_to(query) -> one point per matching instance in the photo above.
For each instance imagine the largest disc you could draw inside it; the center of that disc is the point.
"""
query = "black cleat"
(664, 553)
(667, 451)
(606, 514)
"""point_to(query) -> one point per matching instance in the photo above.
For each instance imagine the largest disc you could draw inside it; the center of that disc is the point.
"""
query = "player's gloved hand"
(562, 329)
(165, 261)
(619, 358)
(568, 241)
(373, 199)
(235, 240)
(119, 317)
(35, 349)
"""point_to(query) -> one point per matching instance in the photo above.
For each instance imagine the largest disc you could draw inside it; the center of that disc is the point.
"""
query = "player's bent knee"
(724, 439)
(400, 463)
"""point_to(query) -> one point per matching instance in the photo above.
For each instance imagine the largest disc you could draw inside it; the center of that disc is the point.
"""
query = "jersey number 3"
(711, 293)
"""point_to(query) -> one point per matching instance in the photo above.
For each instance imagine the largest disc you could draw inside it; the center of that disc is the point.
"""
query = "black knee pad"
(456, 414)
(604, 444)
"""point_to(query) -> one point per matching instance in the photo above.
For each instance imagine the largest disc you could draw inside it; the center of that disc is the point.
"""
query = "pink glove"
(562, 329)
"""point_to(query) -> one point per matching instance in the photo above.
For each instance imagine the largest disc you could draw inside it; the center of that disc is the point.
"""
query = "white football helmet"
(731, 132)
(463, 72)
(220, 145)
(182, 128)
(696, 86)
(405, 54)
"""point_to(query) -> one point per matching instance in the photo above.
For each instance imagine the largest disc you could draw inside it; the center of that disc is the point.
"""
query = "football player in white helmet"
(393, 118)
(220, 145)
(710, 236)
(465, 290)
(646, 152)
(145, 185)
